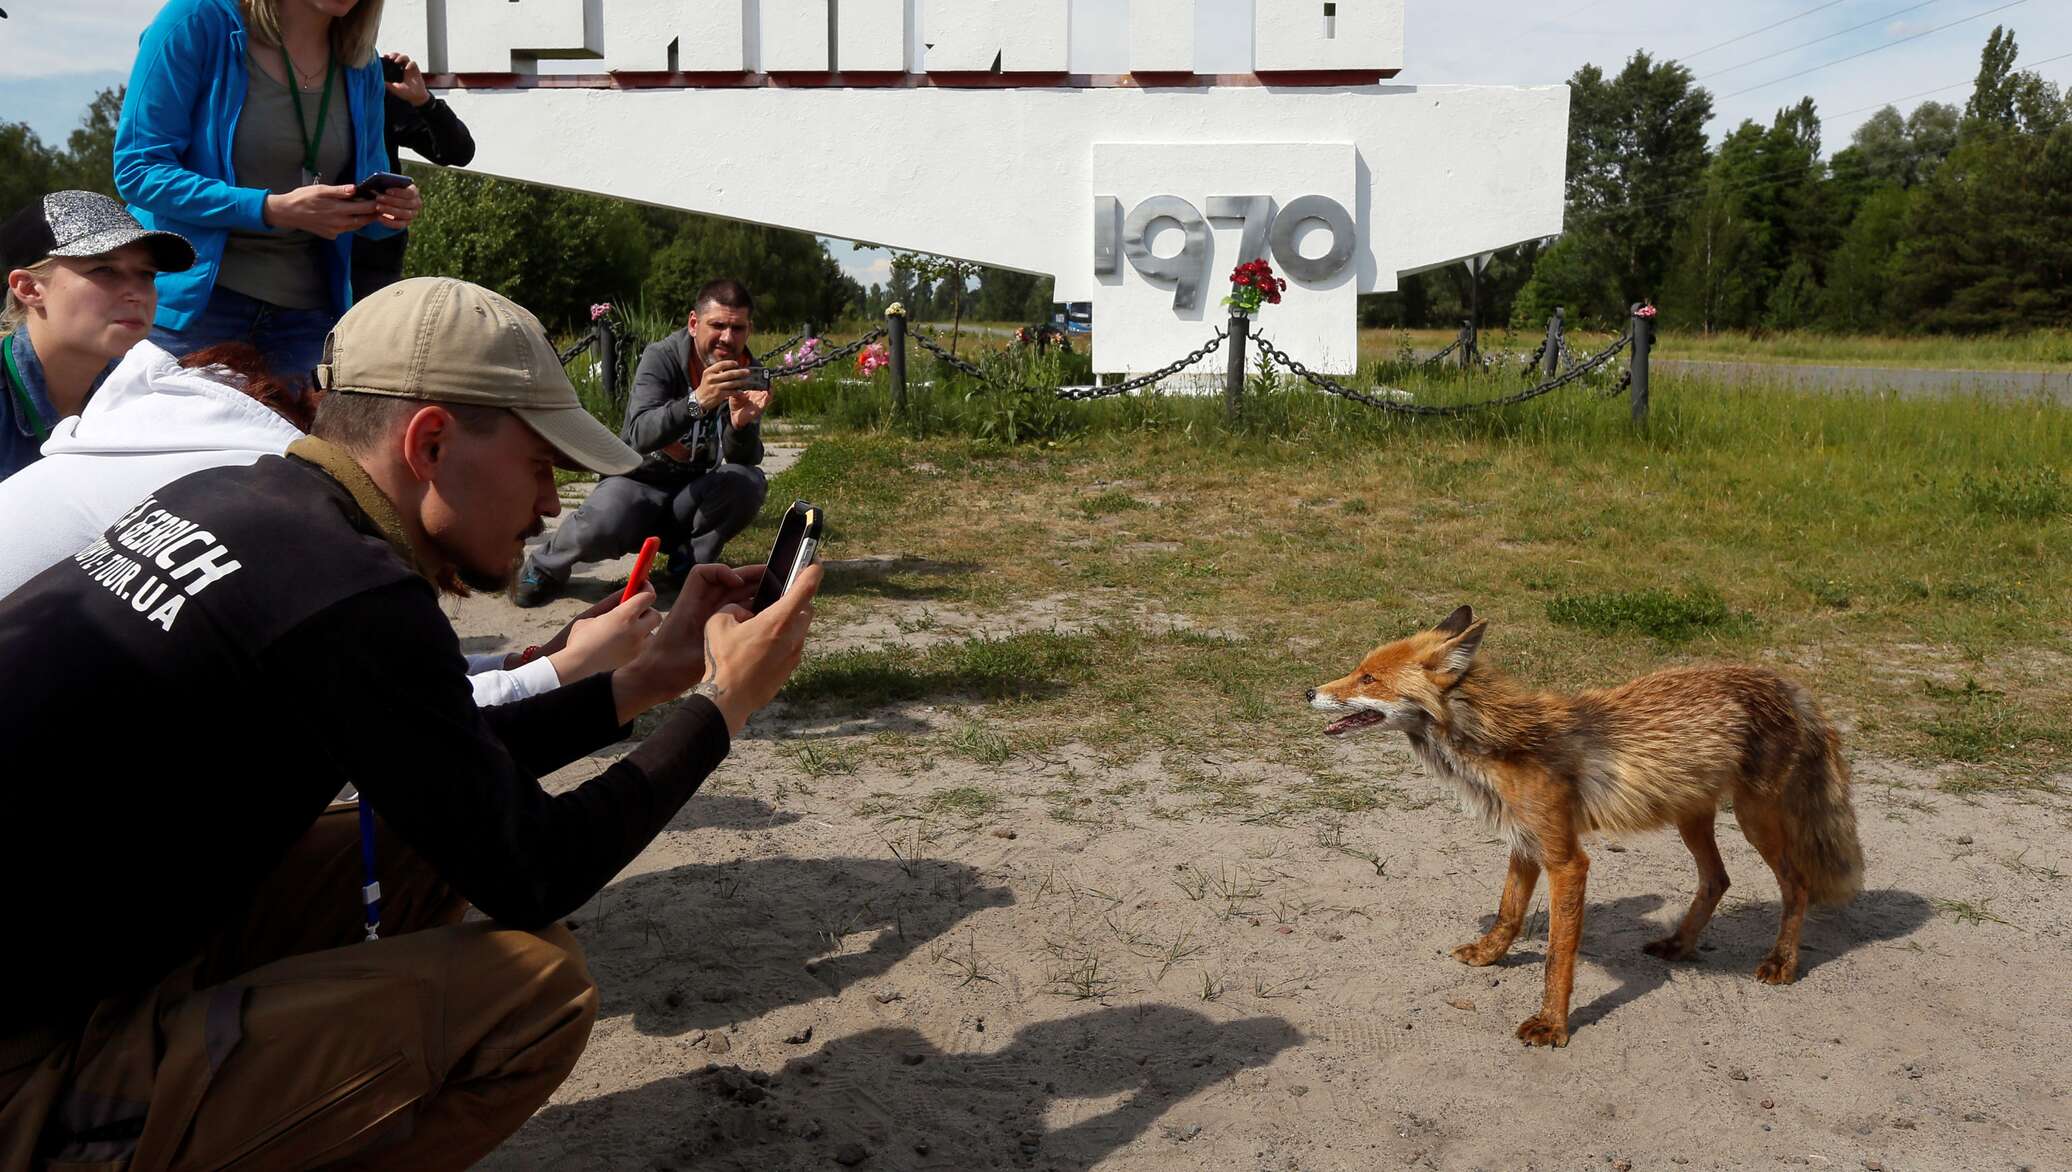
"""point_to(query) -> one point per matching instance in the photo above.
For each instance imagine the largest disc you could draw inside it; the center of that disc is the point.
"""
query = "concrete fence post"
(1234, 374)
(1554, 330)
(1643, 341)
(608, 361)
(896, 353)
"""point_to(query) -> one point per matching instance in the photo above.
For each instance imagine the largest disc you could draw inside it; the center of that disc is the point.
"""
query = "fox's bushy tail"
(1821, 838)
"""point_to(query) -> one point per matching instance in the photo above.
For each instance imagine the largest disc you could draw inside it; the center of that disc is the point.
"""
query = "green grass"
(1979, 725)
(2036, 493)
(967, 802)
(986, 668)
(1109, 503)
(1671, 616)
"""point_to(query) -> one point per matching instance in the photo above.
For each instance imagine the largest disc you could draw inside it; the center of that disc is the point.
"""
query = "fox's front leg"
(1568, 870)
(1510, 914)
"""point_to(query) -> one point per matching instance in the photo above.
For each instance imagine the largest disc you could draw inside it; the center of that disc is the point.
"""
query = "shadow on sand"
(708, 945)
(1059, 1094)
(1739, 936)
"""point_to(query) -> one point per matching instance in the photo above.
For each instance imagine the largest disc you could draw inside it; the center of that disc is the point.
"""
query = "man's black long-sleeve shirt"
(182, 699)
(434, 131)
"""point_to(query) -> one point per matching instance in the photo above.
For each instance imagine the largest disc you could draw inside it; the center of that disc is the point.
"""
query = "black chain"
(956, 363)
(781, 348)
(1144, 380)
(1532, 364)
(1326, 383)
(1436, 359)
(1077, 394)
(827, 359)
(569, 355)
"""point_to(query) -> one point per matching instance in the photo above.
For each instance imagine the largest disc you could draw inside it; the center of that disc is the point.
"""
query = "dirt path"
(843, 957)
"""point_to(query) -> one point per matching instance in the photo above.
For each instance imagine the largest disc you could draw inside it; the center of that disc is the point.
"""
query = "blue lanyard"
(370, 892)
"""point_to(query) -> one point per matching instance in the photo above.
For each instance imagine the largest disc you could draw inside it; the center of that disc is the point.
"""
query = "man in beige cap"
(191, 984)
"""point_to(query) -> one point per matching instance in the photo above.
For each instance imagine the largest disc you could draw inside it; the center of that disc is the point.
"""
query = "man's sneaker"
(534, 587)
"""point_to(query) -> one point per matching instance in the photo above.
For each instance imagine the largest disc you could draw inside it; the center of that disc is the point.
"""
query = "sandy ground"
(1096, 973)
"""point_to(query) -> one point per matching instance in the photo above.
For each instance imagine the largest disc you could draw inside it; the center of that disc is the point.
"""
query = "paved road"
(1909, 383)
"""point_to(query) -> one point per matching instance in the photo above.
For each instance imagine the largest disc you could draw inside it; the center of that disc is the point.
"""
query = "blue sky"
(54, 54)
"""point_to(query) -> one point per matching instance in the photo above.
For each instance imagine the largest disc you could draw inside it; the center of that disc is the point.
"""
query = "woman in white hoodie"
(155, 419)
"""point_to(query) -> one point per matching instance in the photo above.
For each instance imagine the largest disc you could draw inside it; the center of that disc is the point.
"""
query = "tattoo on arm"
(709, 687)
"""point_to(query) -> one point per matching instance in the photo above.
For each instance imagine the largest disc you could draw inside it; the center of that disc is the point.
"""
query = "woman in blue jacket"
(246, 126)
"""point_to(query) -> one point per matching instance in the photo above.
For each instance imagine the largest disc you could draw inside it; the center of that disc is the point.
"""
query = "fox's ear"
(1453, 658)
(1460, 620)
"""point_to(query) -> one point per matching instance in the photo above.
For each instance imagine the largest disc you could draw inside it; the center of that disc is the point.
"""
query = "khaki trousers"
(292, 1043)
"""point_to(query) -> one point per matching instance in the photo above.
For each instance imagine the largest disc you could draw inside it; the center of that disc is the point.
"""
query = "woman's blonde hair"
(352, 35)
(14, 312)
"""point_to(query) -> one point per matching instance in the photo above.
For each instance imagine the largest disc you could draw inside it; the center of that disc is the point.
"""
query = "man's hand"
(605, 605)
(607, 638)
(412, 88)
(674, 659)
(748, 657)
(720, 382)
(748, 406)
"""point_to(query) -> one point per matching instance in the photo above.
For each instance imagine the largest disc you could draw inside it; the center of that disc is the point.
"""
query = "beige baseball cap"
(448, 341)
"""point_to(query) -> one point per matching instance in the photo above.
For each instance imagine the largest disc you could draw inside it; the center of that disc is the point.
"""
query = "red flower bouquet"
(1253, 284)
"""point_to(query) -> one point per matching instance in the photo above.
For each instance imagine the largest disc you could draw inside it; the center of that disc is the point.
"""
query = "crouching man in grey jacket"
(697, 421)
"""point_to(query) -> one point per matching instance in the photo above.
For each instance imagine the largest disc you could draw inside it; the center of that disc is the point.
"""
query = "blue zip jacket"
(172, 148)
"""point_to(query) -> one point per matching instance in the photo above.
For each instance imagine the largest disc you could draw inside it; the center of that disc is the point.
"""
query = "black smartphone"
(390, 71)
(758, 378)
(798, 543)
(379, 182)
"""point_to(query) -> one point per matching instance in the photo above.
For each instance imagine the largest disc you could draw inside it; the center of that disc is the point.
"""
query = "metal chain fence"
(1077, 394)
(1328, 384)
(829, 358)
(763, 359)
(573, 352)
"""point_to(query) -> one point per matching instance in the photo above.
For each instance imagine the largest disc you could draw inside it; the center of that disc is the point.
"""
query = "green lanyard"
(21, 391)
(311, 142)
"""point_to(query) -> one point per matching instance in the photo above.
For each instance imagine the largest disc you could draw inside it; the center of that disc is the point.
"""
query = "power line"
(1766, 28)
(1815, 41)
(1875, 49)
(1780, 176)
(1938, 89)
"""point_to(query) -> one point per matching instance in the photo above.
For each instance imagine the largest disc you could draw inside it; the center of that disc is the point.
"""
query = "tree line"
(1947, 219)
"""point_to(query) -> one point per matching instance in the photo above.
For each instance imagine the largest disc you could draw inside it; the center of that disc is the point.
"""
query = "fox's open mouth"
(1346, 724)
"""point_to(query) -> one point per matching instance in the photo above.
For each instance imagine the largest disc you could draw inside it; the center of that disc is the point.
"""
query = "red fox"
(1663, 750)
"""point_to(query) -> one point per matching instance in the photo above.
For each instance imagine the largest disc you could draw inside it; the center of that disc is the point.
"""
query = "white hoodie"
(151, 422)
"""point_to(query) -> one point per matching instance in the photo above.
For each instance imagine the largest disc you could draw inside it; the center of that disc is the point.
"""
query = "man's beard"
(494, 582)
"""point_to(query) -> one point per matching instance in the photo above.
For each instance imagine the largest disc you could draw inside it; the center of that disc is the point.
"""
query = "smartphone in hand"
(379, 182)
(797, 545)
(641, 565)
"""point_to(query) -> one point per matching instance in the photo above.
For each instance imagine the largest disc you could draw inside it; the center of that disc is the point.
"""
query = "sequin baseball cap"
(84, 223)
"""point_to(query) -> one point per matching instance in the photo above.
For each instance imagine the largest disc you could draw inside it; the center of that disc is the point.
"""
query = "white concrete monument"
(956, 127)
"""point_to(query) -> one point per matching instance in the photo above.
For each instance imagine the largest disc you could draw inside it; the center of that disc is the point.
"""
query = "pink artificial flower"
(600, 309)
